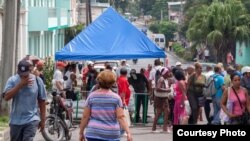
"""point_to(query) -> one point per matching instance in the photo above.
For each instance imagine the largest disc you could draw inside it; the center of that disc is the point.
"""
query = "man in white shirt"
(206, 53)
(57, 82)
(152, 79)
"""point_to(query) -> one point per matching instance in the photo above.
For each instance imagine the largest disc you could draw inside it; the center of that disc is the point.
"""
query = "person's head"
(221, 66)
(60, 65)
(149, 67)
(142, 71)
(106, 79)
(217, 69)
(165, 73)
(178, 65)
(123, 72)
(132, 71)
(237, 67)
(157, 62)
(108, 67)
(198, 68)
(179, 75)
(190, 69)
(235, 79)
(40, 65)
(230, 70)
(209, 68)
(23, 69)
(246, 71)
(90, 64)
(123, 62)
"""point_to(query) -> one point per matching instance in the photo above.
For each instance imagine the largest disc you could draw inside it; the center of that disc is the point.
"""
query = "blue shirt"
(24, 107)
(219, 82)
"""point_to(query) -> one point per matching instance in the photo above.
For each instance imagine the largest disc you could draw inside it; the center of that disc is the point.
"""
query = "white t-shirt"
(206, 52)
(68, 82)
(58, 76)
(152, 75)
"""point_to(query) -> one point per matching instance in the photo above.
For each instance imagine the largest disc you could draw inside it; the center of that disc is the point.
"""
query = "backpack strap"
(38, 85)
(238, 98)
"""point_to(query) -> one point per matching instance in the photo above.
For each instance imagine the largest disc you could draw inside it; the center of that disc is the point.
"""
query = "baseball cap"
(90, 63)
(23, 68)
(177, 63)
(60, 64)
(245, 69)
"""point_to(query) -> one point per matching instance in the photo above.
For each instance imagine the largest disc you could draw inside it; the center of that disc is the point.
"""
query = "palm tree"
(220, 25)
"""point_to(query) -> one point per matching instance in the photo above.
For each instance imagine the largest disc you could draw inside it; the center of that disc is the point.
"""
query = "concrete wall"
(243, 53)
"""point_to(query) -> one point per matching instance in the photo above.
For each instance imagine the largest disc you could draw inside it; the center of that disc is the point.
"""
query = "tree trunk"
(9, 44)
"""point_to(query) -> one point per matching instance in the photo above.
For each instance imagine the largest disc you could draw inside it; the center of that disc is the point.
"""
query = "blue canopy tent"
(110, 37)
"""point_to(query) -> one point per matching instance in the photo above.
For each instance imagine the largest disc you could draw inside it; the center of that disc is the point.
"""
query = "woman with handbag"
(181, 114)
(238, 96)
(195, 85)
(161, 104)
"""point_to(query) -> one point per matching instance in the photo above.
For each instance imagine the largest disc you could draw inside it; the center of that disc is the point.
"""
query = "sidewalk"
(4, 134)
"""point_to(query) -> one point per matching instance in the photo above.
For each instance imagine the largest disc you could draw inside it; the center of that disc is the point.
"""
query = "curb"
(5, 134)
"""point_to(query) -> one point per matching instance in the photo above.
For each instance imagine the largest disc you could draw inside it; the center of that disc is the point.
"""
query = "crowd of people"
(178, 96)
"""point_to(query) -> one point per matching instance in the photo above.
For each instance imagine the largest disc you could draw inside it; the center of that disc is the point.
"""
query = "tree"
(146, 6)
(220, 25)
(166, 27)
(159, 8)
(71, 32)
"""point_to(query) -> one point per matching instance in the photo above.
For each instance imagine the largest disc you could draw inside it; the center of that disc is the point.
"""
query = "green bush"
(48, 72)
(182, 52)
(4, 121)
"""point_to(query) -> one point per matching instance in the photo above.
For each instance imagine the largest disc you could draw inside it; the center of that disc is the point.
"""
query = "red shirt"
(146, 73)
(123, 87)
(84, 75)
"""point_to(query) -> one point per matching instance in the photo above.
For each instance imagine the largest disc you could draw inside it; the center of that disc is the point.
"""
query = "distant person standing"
(123, 87)
(230, 58)
(206, 53)
(28, 109)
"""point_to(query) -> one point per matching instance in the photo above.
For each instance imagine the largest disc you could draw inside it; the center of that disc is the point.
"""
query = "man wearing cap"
(58, 78)
(178, 65)
(123, 65)
(27, 93)
(245, 81)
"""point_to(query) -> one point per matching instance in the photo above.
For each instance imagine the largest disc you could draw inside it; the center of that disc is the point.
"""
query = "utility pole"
(88, 12)
(9, 45)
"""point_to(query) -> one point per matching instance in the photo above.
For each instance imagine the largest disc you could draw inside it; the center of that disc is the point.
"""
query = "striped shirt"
(103, 123)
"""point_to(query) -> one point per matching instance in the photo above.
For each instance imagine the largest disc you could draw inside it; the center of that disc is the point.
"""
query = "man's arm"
(42, 106)
(9, 94)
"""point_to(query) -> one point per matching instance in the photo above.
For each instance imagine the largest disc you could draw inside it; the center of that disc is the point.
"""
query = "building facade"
(242, 53)
(97, 8)
(47, 20)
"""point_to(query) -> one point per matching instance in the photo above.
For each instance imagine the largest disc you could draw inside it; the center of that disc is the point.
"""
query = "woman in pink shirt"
(237, 95)
(180, 114)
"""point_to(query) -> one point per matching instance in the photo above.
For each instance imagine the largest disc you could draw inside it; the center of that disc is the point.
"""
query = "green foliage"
(48, 73)
(154, 28)
(167, 28)
(158, 7)
(178, 49)
(220, 25)
(146, 6)
(121, 5)
(71, 32)
(4, 121)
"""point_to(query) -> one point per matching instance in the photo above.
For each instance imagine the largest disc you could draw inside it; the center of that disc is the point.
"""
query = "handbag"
(223, 116)
(244, 118)
(127, 116)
